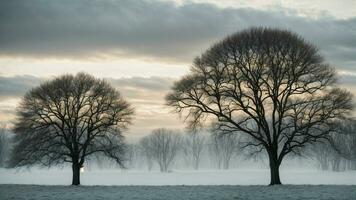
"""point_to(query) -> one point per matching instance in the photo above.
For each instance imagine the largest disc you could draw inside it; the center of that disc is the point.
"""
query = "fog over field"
(177, 177)
(242, 171)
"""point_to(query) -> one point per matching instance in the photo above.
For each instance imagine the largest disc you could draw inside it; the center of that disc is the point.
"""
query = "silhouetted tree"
(193, 144)
(267, 83)
(68, 120)
(162, 145)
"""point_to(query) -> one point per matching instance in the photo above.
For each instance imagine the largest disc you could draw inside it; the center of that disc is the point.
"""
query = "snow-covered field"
(203, 184)
(184, 177)
(290, 192)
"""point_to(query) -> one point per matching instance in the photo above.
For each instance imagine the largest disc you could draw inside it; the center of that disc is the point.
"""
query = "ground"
(38, 184)
(289, 192)
(177, 177)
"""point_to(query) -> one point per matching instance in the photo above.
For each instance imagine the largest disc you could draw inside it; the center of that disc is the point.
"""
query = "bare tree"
(133, 153)
(4, 145)
(193, 145)
(68, 120)
(267, 83)
(337, 154)
(223, 147)
(147, 151)
(335, 157)
(163, 146)
(351, 149)
(344, 143)
(320, 152)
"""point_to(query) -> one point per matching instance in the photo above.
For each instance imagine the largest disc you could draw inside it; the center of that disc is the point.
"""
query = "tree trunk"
(76, 174)
(274, 169)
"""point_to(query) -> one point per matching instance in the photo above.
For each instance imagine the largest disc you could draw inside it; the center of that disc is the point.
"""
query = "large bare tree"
(68, 120)
(267, 83)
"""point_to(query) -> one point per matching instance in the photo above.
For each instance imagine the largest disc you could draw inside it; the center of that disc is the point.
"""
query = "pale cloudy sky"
(142, 46)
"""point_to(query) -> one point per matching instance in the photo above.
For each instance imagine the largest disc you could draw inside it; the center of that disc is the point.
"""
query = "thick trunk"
(76, 174)
(274, 170)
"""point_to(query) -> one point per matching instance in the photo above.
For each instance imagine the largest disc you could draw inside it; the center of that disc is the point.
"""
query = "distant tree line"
(165, 148)
(340, 153)
(5, 145)
(169, 150)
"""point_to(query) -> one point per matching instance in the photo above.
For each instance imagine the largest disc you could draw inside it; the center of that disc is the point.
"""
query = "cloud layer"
(152, 29)
(162, 31)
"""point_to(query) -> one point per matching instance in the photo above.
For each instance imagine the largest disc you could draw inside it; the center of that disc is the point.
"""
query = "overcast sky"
(141, 47)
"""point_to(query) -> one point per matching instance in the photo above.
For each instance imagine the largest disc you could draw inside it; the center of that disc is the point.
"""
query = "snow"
(177, 177)
(289, 192)
(203, 184)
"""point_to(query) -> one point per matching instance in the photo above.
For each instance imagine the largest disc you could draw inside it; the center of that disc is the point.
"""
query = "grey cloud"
(155, 29)
(16, 86)
(145, 89)
(150, 83)
(142, 89)
(347, 79)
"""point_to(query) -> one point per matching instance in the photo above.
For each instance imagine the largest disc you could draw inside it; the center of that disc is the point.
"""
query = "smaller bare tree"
(344, 144)
(162, 145)
(338, 152)
(351, 149)
(147, 152)
(320, 152)
(70, 119)
(223, 147)
(4, 145)
(193, 145)
(132, 154)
